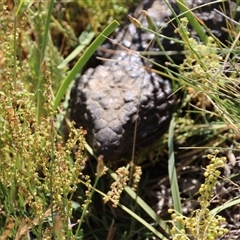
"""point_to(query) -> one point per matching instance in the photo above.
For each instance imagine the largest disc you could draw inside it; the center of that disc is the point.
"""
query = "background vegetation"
(192, 192)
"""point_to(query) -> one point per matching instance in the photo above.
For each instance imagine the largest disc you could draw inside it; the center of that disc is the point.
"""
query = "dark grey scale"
(108, 100)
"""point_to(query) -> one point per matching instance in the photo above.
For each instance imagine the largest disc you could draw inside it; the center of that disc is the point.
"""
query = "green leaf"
(172, 173)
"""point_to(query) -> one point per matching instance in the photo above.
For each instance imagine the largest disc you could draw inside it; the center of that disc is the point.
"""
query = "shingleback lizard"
(108, 100)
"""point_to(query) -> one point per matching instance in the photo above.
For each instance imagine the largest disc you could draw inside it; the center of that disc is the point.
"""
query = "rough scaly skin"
(108, 100)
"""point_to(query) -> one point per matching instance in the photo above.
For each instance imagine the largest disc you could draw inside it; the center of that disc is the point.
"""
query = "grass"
(46, 194)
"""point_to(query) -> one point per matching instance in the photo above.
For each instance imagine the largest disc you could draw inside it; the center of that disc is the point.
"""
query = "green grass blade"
(88, 37)
(228, 204)
(83, 60)
(152, 25)
(143, 222)
(15, 54)
(46, 31)
(44, 44)
(19, 7)
(192, 19)
(173, 174)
